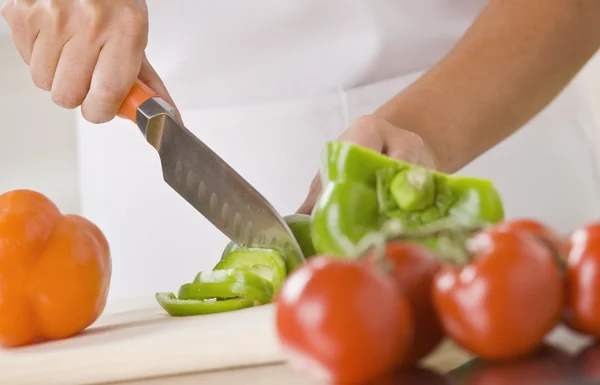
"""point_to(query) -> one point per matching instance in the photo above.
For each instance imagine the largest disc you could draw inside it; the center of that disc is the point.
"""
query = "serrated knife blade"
(206, 181)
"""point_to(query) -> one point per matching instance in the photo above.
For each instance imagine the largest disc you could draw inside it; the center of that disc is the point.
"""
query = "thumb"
(150, 77)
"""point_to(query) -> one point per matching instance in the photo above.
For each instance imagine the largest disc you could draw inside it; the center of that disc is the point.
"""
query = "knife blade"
(206, 181)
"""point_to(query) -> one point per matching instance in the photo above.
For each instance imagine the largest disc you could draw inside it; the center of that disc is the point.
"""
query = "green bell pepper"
(221, 291)
(365, 191)
(226, 284)
(300, 225)
(268, 264)
(217, 291)
(184, 307)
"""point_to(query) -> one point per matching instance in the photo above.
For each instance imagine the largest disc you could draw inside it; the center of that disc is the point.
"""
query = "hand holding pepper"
(379, 135)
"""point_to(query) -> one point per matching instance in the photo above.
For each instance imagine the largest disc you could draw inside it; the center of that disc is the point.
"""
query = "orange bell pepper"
(55, 270)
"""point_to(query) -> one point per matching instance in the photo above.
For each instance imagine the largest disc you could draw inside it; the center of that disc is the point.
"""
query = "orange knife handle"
(138, 95)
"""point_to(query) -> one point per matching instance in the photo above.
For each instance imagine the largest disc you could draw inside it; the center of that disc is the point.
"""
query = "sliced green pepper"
(364, 191)
(268, 264)
(227, 284)
(300, 225)
(221, 291)
(233, 275)
(183, 307)
(217, 291)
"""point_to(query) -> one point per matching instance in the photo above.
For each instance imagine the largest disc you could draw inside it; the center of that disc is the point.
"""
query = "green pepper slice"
(268, 264)
(364, 191)
(218, 291)
(183, 308)
(233, 275)
(221, 291)
(229, 283)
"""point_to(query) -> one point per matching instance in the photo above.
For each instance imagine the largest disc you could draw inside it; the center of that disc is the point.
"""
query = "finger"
(48, 46)
(118, 66)
(378, 134)
(365, 131)
(150, 77)
(313, 194)
(74, 73)
(22, 20)
(402, 144)
(44, 60)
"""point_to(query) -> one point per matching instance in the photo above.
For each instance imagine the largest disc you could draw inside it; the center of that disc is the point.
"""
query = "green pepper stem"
(413, 189)
(451, 238)
(446, 226)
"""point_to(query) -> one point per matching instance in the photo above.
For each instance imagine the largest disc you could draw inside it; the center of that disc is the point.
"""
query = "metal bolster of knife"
(150, 119)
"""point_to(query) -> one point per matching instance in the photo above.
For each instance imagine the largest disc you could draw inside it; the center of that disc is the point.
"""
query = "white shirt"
(236, 52)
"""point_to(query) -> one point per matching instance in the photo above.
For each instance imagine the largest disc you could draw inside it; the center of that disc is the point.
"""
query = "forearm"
(511, 63)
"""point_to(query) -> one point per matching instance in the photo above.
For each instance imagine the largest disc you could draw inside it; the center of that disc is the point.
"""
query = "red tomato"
(342, 321)
(537, 228)
(502, 304)
(582, 309)
(414, 267)
(549, 366)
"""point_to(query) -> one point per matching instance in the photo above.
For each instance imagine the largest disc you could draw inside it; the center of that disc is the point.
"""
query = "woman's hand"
(87, 53)
(377, 134)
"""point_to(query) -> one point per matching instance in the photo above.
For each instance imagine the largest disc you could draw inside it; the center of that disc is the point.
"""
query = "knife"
(206, 181)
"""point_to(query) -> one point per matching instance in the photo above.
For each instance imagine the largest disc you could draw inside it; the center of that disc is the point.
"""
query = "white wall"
(37, 138)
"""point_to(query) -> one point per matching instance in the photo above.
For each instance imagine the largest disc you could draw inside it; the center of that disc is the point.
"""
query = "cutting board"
(137, 339)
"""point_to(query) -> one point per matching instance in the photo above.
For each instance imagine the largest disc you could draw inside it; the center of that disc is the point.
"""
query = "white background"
(37, 139)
